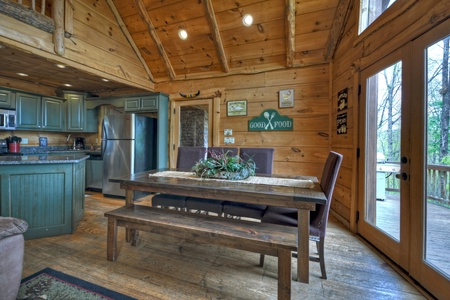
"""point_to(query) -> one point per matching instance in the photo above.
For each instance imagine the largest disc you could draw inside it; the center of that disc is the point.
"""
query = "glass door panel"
(437, 179)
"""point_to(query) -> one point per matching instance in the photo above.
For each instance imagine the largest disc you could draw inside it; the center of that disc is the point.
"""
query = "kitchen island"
(46, 190)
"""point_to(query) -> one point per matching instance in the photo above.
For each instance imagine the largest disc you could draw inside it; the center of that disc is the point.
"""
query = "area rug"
(53, 285)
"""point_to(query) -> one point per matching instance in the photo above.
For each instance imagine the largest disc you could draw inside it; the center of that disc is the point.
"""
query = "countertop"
(51, 158)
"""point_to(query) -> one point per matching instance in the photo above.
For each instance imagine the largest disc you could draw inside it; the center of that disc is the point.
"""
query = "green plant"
(13, 139)
(220, 165)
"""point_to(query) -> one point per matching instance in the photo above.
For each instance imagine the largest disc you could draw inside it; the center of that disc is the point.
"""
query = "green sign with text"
(270, 120)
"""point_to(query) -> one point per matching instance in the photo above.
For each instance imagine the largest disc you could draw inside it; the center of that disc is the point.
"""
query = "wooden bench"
(256, 237)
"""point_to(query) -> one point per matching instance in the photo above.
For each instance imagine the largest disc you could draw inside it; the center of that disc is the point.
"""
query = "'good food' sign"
(270, 120)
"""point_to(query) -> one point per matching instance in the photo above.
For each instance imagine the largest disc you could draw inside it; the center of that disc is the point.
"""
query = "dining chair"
(209, 205)
(318, 218)
(263, 158)
(187, 157)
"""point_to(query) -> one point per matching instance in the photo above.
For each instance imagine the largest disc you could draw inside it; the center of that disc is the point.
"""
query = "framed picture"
(343, 99)
(286, 98)
(237, 108)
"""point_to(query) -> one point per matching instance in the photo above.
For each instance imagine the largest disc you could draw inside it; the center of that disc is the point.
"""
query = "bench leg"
(111, 240)
(284, 274)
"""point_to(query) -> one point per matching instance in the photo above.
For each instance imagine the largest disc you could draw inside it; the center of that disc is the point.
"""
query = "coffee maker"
(79, 142)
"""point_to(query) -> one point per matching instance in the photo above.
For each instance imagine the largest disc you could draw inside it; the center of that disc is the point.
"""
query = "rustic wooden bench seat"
(257, 237)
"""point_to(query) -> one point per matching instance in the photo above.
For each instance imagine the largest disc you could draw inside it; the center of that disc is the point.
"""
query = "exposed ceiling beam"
(290, 32)
(152, 31)
(210, 15)
(130, 40)
(341, 16)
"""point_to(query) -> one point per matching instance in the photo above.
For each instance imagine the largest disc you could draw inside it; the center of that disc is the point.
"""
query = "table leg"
(303, 246)
(130, 234)
(284, 274)
(111, 240)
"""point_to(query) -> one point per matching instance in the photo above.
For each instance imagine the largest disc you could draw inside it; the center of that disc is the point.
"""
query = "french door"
(404, 164)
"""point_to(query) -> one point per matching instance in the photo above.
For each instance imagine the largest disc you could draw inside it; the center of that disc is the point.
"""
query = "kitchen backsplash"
(53, 138)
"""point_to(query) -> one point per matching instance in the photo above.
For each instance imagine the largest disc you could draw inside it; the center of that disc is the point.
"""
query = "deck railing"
(36, 5)
(438, 183)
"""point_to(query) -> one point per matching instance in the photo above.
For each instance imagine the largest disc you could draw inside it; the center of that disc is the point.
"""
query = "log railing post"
(58, 17)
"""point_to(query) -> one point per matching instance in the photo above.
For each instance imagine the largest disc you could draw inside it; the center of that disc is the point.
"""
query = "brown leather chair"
(187, 157)
(318, 218)
(263, 158)
(208, 205)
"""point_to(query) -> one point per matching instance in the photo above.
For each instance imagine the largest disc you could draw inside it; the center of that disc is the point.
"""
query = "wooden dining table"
(301, 198)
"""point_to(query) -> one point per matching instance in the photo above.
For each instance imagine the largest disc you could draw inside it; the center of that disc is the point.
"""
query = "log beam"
(28, 16)
(337, 30)
(58, 35)
(129, 38)
(210, 16)
(290, 33)
(152, 31)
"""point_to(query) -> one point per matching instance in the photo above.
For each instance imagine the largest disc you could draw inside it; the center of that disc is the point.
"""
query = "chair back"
(219, 150)
(188, 156)
(263, 158)
(319, 217)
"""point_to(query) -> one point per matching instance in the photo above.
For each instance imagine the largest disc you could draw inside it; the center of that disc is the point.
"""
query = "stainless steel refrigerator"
(128, 147)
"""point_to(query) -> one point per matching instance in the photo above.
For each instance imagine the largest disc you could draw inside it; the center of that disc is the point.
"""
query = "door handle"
(402, 176)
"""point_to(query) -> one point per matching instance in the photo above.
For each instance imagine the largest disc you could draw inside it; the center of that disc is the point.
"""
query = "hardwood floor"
(162, 267)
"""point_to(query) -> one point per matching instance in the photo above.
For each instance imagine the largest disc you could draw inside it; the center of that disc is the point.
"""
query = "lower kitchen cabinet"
(50, 197)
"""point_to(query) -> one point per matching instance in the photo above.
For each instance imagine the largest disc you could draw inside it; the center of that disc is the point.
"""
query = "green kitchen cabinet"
(142, 104)
(50, 197)
(7, 99)
(76, 111)
(53, 114)
(28, 111)
(92, 120)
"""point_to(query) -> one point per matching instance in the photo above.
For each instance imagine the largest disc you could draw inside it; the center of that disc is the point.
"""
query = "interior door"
(192, 124)
(384, 158)
(404, 165)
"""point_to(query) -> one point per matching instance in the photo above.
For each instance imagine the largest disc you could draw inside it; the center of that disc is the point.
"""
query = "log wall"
(301, 151)
(96, 44)
(407, 20)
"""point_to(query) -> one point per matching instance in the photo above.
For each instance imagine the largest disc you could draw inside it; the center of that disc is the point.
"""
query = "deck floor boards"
(162, 267)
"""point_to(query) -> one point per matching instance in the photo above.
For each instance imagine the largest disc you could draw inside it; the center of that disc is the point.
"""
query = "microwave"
(7, 119)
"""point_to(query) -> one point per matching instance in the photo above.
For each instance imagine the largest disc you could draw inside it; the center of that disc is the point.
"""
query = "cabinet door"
(52, 114)
(28, 111)
(7, 99)
(92, 120)
(76, 111)
(149, 103)
(132, 104)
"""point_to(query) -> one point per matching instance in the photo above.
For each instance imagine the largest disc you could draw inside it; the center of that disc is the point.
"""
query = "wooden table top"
(296, 197)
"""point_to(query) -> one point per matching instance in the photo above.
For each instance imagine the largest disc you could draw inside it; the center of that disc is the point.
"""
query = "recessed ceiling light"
(22, 74)
(182, 34)
(67, 84)
(247, 20)
(61, 66)
(105, 80)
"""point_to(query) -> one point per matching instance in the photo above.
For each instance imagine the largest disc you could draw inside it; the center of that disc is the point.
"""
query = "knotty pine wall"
(302, 151)
(403, 22)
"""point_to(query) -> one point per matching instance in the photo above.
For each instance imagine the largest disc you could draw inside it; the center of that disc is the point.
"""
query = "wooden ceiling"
(285, 33)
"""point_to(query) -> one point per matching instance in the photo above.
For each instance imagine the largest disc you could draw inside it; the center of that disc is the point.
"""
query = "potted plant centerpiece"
(14, 143)
(221, 165)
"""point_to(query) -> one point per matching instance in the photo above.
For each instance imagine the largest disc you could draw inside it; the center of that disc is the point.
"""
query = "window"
(370, 10)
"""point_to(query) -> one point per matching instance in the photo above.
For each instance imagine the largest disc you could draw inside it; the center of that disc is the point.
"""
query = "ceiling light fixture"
(247, 20)
(182, 34)
(61, 66)
(22, 74)
(67, 84)
(105, 80)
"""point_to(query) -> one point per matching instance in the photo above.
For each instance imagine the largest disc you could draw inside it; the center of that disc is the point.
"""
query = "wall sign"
(343, 99)
(286, 98)
(341, 121)
(270, 120)
(237, 108)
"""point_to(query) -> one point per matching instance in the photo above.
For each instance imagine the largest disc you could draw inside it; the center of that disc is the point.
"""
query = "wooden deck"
(438, 233)
(162, 267)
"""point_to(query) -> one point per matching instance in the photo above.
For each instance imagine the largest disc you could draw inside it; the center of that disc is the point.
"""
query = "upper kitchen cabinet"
(28, 113)
(76, 111)
(39, 113)
(142, 104)
(7, 99)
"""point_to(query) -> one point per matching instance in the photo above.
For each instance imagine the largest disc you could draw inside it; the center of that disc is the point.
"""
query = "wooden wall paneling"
(314, 21)
(27, 86)
(309, 169)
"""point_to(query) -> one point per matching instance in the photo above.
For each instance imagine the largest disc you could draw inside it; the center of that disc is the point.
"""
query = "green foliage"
(220, 165)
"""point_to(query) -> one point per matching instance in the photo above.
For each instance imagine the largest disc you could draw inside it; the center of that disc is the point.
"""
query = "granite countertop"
(34, 159)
